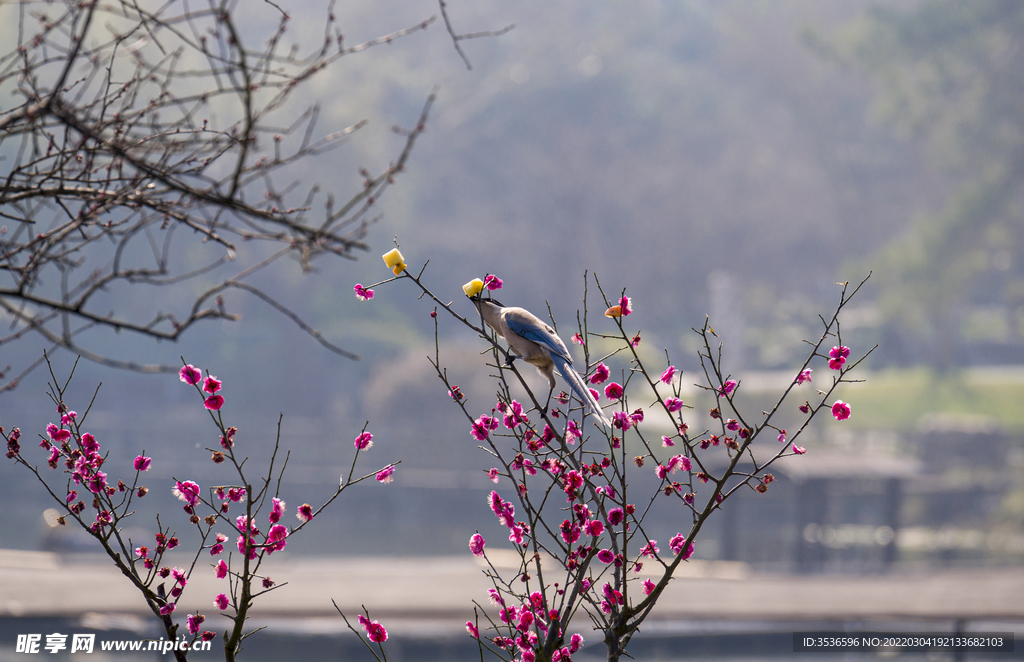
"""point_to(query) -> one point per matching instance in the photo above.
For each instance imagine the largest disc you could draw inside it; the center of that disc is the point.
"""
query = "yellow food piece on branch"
(474, 286)
(395, 261)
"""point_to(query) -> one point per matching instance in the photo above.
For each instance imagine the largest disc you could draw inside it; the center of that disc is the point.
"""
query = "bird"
(537, 343)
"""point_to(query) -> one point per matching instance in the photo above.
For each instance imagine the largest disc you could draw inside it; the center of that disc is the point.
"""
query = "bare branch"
(111, 147)
(456, 38)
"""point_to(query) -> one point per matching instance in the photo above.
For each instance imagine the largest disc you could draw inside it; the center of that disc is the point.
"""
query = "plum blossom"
(482, 427)
(837, 357)
(364, 441)
(246, 546)
(472, 630)
(799, 450)
(221, 601)
(211, 384)
(677, 546)
(572, 433)
(804, 376)
(593, 527)
(513, 415)
(570, 531)
(386, 475)
(362, 293)
(194, 622)
(650, 549)
(727, 388)
(577, 338)
(666, 377)
(621, 420)
(605, 556)
(571, 482)
(218, 547)
(476, 544)
(214, 402)
(613, 391)
(98, 482)
(648, 587)
(782, 436)
(277, 510)
(187, 491)
(142, 463)
(841, 410)
(276, 538)
(190, 375)
(673, 404)
(516, 532)
(504, 510)
(89, 444)
(601, 373)
(492, 282)
(679, 462)
(626, 305)
(305, 512)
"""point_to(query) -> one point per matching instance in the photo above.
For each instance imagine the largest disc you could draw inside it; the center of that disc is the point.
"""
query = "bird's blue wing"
(539, 333)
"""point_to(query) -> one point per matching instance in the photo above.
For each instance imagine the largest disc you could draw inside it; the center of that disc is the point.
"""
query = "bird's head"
(481, 302)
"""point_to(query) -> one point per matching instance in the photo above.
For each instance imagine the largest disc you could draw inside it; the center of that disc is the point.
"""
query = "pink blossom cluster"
(81, 456)
(622, 420)
(192, 376)
(529, 623)
(837, 357)
(505, 512)
(512, 415)
(481, 427)
(840, 410)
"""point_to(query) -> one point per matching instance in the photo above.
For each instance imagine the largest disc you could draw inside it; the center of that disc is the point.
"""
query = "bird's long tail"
(577, 384)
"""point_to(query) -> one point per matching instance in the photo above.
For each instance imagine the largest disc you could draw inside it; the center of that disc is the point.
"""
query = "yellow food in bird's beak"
(614, 311)
(395, 261)
(474, 286)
